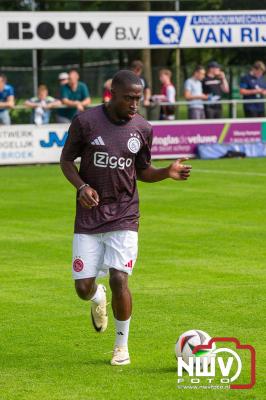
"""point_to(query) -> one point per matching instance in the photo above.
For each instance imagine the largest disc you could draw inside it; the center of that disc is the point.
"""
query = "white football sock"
(98, 296)
(122, 331)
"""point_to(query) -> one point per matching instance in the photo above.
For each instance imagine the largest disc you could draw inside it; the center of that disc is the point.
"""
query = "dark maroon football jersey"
(111, 153)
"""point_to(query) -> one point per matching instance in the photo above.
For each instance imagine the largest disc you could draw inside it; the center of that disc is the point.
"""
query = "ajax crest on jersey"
(188, 341)
(133, 145)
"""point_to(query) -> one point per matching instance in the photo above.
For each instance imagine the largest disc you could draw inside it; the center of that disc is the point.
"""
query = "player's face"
(126, 100)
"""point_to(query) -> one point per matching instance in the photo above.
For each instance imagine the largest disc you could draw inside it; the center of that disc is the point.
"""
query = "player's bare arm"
(87, 196)
(177, 171)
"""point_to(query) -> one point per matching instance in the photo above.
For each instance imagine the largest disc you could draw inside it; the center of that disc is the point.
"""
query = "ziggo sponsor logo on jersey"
(102, 159)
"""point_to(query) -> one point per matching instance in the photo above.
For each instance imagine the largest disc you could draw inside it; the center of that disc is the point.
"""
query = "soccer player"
(114, 143)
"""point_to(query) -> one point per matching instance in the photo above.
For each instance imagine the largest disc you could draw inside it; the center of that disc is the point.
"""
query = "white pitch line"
(216, 171)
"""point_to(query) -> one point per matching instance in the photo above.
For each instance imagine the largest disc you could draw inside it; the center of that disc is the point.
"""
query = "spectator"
(168, 94)
(63, 78)
(214, 85)
(137, 68)
(41, 106)
(253, 86)
(107, 94)
(7, 100)
(75, 96)
(194, 94)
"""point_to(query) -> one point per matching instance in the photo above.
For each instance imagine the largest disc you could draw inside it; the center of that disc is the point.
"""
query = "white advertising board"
(118, 30)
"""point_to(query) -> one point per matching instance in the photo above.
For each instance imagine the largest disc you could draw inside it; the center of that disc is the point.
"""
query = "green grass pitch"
(201, 265)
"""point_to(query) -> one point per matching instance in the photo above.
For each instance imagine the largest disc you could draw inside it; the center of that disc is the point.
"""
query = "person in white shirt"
(168, 94)
(194, 94)
(41, 106)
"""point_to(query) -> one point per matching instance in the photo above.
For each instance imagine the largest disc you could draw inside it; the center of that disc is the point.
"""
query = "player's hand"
(178, 171)
(88, 197)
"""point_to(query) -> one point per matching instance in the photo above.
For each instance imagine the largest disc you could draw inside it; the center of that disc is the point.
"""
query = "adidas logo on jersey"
(98, 141)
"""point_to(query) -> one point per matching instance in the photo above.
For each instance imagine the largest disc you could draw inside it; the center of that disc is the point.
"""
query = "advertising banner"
(118, 30)
(182, 138)
(31, 144)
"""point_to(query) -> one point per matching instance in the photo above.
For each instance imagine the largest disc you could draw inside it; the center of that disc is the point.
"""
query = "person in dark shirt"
(114, 144)
(214, 85)
(75, 96)
(137, 67)
(253, 86)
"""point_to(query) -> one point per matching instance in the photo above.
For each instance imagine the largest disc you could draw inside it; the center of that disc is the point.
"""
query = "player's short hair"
(125, 77)
(166, 72)
(136, 64)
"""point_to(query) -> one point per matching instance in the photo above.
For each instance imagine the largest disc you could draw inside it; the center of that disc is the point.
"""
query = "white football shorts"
(94, 254)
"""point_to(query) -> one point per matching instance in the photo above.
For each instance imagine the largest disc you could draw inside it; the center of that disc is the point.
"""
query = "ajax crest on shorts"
(78, 265)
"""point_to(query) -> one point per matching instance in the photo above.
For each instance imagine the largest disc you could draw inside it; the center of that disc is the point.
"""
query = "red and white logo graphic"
(78, 265)
(239, 348)
(222, 367)
(129, 264)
